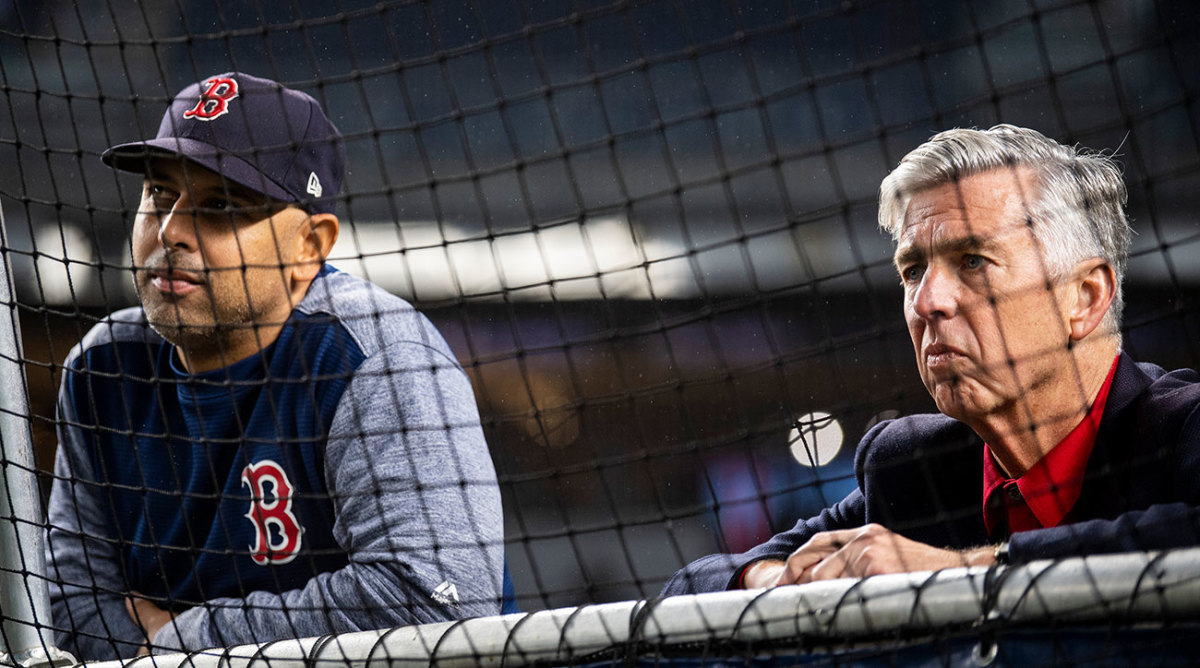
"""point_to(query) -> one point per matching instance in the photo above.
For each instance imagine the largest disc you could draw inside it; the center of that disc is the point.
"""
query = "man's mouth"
(175, 281)
(940, 356)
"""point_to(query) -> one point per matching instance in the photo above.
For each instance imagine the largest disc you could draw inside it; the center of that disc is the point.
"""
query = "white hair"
(1077, 212)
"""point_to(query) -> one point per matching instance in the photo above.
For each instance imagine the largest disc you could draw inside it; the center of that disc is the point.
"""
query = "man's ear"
(315, 238)
(1094, 286)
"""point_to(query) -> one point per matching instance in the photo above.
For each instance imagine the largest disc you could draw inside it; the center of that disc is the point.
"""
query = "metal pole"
(26, 628)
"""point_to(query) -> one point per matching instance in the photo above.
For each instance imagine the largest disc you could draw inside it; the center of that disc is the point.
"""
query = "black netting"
(645, 228)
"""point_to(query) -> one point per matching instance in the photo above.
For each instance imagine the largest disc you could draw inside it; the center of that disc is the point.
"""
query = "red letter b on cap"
(214, 102)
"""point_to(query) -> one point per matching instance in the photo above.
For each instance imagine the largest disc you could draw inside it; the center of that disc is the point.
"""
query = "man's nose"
(936, 295)
(177, 226)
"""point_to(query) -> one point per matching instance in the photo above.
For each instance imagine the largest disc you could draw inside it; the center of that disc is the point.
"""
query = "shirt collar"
(1052, 486)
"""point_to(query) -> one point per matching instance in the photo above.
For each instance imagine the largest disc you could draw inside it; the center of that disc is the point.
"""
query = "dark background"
(646, 228)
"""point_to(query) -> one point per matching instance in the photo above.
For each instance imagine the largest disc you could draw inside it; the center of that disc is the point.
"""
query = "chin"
(951, 402)
(181, 334)
(951, 410)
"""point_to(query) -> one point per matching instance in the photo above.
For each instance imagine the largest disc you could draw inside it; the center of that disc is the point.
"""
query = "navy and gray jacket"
(337, 481)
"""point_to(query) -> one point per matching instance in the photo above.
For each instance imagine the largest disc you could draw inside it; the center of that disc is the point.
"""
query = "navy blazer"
(922, 477)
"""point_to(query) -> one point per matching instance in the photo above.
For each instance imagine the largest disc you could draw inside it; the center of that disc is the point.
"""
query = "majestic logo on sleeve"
(214, 101)
(445, 593)
(277, 533)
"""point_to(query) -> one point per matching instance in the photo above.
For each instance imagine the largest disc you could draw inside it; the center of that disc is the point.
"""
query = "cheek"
(232, 252)
(1031, 313)
(251, 264)
(983, 324)
(916, 329)
(144, 238)
(915, 324)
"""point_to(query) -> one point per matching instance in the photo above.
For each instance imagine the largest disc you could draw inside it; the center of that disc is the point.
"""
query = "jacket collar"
(1106, 481)
(1129, 382)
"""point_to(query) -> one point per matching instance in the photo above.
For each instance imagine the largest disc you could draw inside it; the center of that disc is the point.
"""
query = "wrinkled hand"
(865, 551)
(148, 616)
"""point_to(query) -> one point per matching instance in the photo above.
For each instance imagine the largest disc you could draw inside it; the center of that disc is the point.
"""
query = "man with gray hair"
(1051, 442)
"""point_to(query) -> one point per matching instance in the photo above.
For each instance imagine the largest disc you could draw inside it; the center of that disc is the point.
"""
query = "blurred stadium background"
(647, 227)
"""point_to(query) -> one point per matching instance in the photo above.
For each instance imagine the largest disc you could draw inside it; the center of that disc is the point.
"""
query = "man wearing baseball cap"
(267, 447)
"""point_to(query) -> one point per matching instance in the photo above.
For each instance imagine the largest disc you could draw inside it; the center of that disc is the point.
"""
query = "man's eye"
(910, 274)
(218, 205)
(158, 192)
(973, 261)
(163, 198)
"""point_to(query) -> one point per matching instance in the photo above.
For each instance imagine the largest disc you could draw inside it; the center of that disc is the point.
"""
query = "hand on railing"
(861, 552)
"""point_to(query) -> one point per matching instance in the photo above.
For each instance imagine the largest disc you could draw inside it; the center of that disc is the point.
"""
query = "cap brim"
(136, 156)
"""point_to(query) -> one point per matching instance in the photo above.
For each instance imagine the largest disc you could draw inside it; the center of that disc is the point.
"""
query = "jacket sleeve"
(83, 555)
(1159, 527)
(417, 511)
(719, 572)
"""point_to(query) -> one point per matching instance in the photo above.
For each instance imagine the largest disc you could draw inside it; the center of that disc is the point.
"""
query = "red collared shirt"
(1044, 496)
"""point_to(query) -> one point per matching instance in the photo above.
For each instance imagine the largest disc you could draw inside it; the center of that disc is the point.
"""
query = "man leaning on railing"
(1051, 442)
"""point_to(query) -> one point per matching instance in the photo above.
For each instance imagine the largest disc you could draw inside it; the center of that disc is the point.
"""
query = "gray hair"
(1078, 212)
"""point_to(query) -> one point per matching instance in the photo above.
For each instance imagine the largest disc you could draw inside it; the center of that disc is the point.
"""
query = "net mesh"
(645, 228)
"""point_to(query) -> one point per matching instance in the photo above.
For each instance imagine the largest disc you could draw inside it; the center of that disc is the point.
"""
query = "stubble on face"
(212, 278)
(209, 313)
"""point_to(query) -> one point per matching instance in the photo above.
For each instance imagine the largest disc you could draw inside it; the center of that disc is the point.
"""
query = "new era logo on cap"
(252, 131)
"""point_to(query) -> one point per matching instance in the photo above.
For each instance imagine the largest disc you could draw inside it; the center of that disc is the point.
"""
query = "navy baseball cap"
(254, 132)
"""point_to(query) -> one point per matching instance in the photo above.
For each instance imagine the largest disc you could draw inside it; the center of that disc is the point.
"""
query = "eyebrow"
(223, 188)
(910, 253)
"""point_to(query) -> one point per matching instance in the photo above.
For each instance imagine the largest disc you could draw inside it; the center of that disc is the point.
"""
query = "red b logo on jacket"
(277, 533)
(214, 101)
